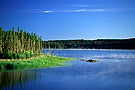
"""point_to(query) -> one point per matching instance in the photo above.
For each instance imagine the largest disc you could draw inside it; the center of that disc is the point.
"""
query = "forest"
(16, 44)
(90, 44)
(19, 44)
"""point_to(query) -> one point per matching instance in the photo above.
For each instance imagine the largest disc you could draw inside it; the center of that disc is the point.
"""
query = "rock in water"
(92, 60)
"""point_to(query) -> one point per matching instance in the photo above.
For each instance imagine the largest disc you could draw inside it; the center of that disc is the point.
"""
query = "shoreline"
(24, 59)
(40, 62)
(95, 49)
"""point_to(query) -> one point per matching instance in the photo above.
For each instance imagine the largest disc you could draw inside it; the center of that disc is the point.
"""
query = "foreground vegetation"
(34, 62)
(90, 44)
(20, 50)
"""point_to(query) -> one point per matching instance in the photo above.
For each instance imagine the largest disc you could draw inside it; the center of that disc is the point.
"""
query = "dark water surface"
(114, 71)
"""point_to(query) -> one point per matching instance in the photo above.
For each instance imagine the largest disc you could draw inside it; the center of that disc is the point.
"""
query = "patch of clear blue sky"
(70, 19)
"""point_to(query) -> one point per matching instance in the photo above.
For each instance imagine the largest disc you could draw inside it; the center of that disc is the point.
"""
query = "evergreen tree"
(22, 41)
(14, 43)
(1, 42)
(10, 42)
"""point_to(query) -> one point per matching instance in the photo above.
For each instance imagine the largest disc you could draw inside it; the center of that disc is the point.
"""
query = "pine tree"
(1, 42)
(28, 43)
(14, 43)
(31, 42)
(22, 41)
(40, 44)
(10, 41)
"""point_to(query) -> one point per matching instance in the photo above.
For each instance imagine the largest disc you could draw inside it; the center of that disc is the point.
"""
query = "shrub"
(9, 66)
(21, 55)
(14, 55)
(35, 54)
(28, 54)
(1, 55)
(6, 54)
(17, 55)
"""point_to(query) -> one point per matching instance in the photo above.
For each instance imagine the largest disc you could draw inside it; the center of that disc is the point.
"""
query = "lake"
(114, 71)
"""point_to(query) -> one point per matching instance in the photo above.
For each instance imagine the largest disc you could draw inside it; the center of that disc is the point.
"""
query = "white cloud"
(97, 10)
(75, 10)
(79, 10)
(47, 11)
(86, 10)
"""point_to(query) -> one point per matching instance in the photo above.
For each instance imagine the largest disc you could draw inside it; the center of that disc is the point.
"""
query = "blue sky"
(70, 19)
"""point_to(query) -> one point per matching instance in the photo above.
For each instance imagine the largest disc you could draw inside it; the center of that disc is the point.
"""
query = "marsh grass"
(36, 62)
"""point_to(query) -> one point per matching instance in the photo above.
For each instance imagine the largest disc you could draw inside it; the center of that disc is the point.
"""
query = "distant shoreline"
(118, 44)
(94, 49)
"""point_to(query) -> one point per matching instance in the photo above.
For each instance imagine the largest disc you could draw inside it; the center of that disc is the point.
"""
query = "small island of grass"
(33, 62)
(20, 50)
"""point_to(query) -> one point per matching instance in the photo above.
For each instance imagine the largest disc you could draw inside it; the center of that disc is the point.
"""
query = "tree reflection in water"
(9, 79)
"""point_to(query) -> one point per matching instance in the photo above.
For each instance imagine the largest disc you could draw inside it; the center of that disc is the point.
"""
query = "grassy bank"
(36, 62)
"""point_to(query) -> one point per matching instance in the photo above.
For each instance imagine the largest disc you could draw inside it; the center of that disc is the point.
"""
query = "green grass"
(39, 62)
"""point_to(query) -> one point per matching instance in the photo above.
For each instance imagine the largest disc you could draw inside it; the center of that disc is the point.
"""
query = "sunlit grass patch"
(39, 62)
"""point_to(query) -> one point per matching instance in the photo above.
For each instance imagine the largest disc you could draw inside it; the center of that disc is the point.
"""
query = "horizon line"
(89, 39)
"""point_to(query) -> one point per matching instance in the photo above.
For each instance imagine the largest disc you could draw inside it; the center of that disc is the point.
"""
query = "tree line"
(19, 44)
(90, 44)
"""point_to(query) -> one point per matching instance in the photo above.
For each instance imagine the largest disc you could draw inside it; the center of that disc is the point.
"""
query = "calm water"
(114, 71)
